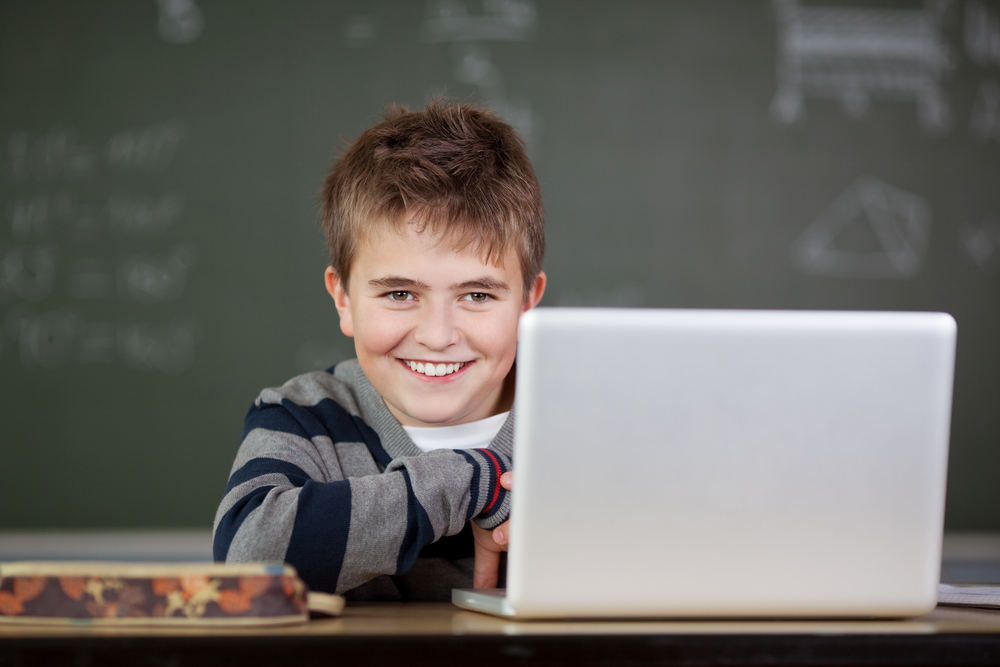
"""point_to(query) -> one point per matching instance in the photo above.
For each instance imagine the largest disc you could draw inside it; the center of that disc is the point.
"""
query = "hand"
(489, 544)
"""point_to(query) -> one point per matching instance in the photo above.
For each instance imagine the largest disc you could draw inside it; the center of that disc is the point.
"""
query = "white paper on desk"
(970, 595)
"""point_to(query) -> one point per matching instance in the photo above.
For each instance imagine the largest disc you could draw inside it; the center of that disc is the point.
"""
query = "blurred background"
(161, 259)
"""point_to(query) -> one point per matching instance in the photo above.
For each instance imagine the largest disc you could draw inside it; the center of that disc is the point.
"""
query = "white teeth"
(435, 370)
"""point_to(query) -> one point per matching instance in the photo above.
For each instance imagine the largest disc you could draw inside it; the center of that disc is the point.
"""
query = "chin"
(437, 416)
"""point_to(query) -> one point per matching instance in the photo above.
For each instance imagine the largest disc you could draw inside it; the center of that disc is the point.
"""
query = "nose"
(436, 328)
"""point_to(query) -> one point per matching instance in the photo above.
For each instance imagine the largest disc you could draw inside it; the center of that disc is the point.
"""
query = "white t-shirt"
(474, 435)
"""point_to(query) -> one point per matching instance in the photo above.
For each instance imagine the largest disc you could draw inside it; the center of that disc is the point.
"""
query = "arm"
(289, 498)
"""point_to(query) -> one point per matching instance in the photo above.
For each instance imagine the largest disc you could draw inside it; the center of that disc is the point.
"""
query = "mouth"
(431, 369)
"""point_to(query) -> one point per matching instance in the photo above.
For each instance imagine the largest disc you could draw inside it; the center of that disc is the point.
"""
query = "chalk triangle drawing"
(899, 223)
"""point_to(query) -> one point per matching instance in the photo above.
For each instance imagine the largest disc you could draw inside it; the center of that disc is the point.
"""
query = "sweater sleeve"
(300, 492)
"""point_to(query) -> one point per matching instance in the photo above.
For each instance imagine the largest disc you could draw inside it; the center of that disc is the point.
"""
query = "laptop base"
(487, 600)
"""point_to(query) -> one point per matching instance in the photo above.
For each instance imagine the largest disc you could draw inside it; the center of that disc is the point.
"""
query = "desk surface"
(441, 634)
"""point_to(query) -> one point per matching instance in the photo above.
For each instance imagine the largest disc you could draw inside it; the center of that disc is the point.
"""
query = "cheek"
(497, 337)
(381, 331)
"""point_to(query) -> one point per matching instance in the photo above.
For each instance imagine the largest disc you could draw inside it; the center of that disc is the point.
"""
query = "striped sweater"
(326, 479)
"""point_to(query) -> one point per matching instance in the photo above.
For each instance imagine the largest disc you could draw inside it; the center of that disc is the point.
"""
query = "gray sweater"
(326, 479)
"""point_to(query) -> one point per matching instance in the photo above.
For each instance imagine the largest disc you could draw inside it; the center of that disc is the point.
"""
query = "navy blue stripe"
(378, 452)
(319, 538)
(266, 466)
(474, 485)
(272, 417)
(327, 418)
(419, 531)
(233, 519)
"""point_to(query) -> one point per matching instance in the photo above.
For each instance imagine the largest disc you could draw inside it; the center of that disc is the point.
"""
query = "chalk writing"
(47, 339)
(157, 278)
(146, 149)
(28, 272)
(58, 154)
(167, 348)
(58, 249)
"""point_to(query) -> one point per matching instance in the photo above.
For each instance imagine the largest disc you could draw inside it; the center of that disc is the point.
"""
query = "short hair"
(456, 168)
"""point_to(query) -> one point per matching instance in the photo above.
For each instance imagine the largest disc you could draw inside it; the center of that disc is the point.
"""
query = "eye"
(400, 296)
(477, 297)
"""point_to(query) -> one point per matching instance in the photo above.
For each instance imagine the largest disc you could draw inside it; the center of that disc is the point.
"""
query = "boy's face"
(435, 330)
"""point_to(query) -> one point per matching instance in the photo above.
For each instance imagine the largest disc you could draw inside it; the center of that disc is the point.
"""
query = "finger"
(486, 569)
(507, 480)
(501, 534)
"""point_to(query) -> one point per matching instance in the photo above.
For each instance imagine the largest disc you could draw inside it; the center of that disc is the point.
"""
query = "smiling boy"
(387, 476)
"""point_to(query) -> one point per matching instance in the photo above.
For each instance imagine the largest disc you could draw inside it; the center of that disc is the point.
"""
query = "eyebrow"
(396, 283)
(483, 283)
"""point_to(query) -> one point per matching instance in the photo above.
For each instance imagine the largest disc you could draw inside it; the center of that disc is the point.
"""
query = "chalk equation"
(55, 263)
(51, 339)
(60, 153)
(872, 230)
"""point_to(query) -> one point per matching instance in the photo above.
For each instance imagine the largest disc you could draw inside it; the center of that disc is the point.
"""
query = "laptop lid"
(729, 463)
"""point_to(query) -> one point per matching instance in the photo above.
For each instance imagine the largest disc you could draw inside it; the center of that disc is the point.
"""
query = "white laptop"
(711, 463)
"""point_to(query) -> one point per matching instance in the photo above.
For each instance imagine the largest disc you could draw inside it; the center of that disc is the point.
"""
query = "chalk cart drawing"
(898, 224)
(982, 34)
(854, 54)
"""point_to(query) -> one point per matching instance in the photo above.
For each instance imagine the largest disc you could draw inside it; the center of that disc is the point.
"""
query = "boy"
(382, 477)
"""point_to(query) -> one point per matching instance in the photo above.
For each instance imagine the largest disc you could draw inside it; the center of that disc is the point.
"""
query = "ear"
(341, 300)
(536, 291)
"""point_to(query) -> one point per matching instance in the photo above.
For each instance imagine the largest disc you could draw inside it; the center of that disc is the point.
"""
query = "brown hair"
(457, 168)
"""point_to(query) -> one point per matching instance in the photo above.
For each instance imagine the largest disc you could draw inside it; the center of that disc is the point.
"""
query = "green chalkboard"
(160, 253)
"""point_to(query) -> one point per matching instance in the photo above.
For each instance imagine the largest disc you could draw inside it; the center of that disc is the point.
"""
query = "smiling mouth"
(434, 370)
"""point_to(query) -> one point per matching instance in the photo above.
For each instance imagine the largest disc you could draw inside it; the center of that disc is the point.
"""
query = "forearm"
(340, 534)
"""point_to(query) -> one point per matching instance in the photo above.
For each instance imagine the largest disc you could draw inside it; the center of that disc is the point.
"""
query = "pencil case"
(157, 594)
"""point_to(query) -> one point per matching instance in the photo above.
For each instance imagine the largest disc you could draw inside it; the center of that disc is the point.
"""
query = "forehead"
(430, 256)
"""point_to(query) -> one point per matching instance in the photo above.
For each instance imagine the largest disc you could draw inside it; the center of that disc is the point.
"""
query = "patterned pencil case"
(157, 594)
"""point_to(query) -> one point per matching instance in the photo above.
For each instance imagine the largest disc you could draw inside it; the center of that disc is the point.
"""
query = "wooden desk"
(441, 634)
